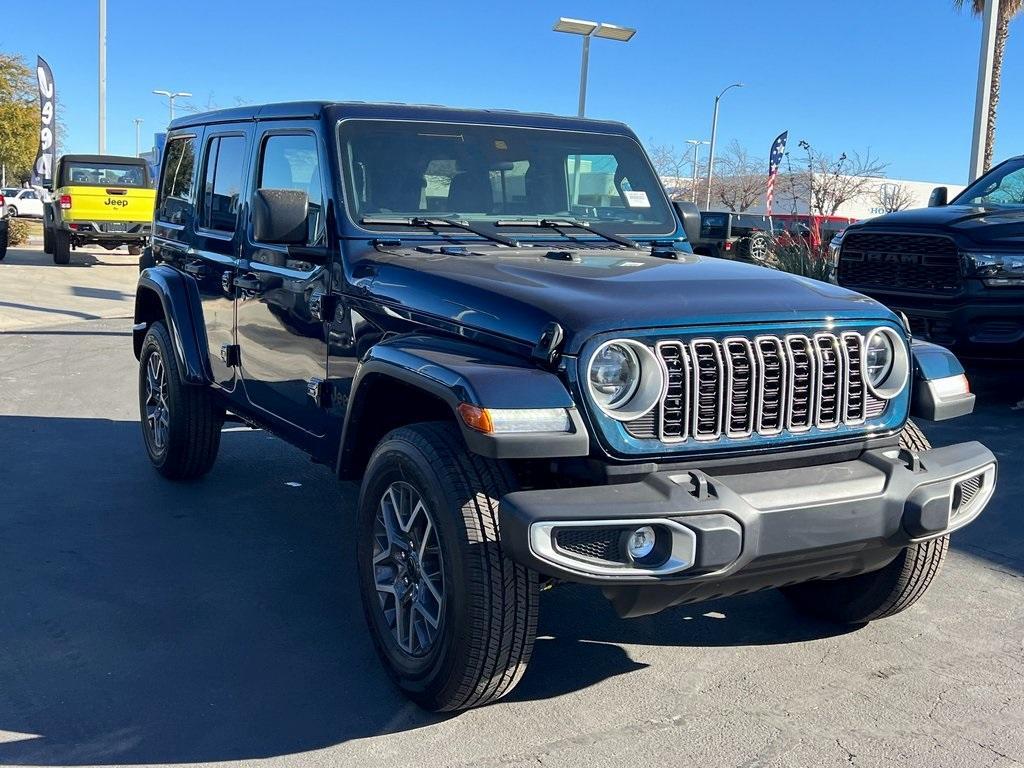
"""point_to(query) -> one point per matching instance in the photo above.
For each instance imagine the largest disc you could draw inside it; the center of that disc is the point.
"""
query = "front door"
(282, 341)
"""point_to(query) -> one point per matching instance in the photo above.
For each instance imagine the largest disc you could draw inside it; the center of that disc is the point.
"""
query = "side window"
(222, 182)
(291, 161)
(176, 194)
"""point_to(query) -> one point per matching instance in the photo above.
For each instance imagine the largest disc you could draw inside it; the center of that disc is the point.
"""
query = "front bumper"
(736, 533)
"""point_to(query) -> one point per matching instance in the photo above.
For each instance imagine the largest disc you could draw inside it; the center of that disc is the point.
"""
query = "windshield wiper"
(559, 224)
(434, 224)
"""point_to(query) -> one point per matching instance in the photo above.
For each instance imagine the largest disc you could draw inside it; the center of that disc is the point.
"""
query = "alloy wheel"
(408, 569)
(157, 412)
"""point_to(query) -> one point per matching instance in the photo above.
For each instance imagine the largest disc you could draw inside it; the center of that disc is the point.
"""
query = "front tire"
(882, 593)
(476, 608)
(180, 423)
(61, 247)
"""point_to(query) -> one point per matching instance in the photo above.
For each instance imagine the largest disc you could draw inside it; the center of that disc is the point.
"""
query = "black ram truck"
(956, 268)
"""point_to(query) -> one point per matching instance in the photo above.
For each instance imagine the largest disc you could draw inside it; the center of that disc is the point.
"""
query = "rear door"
(282, 342)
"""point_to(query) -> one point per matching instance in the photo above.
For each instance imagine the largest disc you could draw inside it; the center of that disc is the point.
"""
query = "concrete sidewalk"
(36, 292)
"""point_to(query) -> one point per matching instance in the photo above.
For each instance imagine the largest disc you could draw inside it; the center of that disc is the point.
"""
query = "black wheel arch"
(418, 378)
(165, 294)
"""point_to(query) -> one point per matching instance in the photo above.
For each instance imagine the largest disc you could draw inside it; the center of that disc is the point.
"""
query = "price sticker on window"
(636, 199)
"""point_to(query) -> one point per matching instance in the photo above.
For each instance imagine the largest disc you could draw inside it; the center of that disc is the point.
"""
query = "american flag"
(774, 161)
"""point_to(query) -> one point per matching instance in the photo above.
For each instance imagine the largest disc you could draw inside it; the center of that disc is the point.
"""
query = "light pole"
(170, 100)
(138, 126)
(103, 78)
(714, 137)
(981, 100)
(588, 29)
(696, 162)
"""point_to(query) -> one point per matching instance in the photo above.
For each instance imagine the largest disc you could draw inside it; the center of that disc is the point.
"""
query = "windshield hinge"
(546, 349)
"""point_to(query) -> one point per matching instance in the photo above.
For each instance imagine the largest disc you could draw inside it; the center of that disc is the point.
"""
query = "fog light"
(640, 542)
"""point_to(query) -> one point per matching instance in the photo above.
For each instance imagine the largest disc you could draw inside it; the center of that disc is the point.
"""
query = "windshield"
(109, 174)
(485, 173)
(1002, 187)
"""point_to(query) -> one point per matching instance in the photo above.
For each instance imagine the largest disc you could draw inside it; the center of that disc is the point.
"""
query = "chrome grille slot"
(830, 381)
(771, 358)
(741, 391)
(676, 402)
(708, 387)
(802, 383)
(856, 386)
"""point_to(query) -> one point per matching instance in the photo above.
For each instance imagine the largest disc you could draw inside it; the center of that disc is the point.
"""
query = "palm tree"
(1007, 10)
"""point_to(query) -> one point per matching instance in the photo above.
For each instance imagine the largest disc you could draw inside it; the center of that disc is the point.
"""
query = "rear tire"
(180, 423)
(12, 212)
(135, 250)
(478, 647)
(882, 593)
(3, 240)
(48, 240)
(61, 247)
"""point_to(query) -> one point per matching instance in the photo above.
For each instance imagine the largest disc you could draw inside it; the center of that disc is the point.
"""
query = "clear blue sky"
(892, 75)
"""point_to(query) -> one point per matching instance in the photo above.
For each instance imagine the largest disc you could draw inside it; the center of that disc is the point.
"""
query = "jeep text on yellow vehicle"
(102, 199)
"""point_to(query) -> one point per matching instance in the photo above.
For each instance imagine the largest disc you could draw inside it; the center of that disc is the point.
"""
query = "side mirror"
(280, 216)
(938, 197)
(689, 214)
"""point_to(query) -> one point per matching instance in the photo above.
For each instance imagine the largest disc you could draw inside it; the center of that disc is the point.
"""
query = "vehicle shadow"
(29, 257)
(147, 622)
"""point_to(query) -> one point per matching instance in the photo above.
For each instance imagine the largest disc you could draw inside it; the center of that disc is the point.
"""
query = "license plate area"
(116, 227)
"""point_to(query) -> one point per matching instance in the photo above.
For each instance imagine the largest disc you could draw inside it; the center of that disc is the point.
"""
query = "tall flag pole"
(774, 161)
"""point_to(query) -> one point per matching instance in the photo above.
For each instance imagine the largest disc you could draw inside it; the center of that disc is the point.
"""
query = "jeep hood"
(516, 292)
(977, 225)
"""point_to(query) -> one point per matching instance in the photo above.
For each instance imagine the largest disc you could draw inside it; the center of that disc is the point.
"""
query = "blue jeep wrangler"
(494, 322)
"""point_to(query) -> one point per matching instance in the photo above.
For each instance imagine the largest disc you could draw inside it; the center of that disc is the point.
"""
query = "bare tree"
(894, 197)
(741, 182)
(829, 182)
(675, 168)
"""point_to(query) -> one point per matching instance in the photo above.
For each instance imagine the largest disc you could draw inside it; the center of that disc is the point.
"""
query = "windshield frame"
(528, 233)
(981, 182)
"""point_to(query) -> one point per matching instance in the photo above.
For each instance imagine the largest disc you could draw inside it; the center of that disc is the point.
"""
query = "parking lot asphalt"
(147, 622)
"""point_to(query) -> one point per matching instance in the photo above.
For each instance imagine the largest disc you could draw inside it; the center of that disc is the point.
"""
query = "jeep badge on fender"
(534, 379)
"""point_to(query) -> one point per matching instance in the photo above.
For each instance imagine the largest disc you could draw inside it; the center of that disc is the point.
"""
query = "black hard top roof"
(298, 110)
(125, 159)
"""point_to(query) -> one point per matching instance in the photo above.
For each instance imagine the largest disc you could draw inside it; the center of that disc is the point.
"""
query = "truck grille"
(737, 387)
(915, 263)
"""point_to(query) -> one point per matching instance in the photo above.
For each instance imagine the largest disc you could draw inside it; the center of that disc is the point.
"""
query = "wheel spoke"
(407, 568)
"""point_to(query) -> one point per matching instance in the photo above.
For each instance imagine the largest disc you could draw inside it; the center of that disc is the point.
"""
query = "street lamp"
(588, 29)
(696, 161)
(170, 99)
(138, 125)
(714, 136)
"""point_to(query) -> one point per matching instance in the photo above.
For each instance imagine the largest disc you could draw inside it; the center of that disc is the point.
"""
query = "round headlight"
(886, 363)
(625, 379)
(878, 358)
(614, 375)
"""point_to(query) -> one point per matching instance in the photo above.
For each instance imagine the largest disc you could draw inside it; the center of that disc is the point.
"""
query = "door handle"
(196, 268)
(257, 283)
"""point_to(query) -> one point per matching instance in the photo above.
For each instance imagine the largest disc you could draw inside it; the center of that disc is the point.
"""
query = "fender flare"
(178, 296)
(455, 372)
(931, 400)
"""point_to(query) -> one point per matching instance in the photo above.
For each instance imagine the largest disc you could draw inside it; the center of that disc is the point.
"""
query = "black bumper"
(98, 232)
(738, 533)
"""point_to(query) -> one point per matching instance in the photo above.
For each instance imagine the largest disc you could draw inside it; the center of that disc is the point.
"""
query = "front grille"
(914, 263)
(737, 387)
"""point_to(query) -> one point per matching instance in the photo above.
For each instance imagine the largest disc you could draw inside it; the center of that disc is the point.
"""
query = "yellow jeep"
(102, 199)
